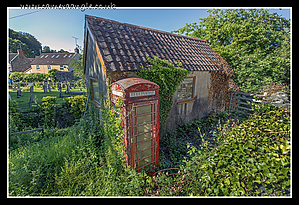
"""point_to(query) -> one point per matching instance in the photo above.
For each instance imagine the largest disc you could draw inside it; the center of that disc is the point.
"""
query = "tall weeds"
(87, 160)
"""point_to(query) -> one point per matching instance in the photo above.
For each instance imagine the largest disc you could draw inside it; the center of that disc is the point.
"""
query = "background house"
(47, 61)
(18, 62)
(114, 50)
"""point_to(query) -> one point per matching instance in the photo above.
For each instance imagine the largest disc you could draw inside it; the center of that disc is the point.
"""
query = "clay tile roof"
(124, 47)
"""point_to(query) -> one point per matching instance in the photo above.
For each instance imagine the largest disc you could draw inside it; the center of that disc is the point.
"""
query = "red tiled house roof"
(124, 47)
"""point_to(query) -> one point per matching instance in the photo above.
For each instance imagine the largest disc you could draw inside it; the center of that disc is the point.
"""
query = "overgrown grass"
(82, 160)
(242, 156)
(36, 158)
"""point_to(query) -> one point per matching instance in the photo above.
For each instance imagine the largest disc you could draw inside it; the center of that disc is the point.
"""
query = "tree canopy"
(46, 49)
(78, 71)
(30, 45)
(255, 43)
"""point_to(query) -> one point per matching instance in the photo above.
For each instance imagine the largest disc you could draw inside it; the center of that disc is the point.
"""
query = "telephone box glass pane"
(144, 145)
(144, 118)
(144, 109)
(144, 136)
(144, 153)
(145, 161)
(144, 128)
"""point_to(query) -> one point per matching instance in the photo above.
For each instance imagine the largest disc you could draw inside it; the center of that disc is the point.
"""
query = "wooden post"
(31, 99)
(230, 100)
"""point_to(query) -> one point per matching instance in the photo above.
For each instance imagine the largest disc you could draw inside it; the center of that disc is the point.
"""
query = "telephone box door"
(140, 121)
(145, 135)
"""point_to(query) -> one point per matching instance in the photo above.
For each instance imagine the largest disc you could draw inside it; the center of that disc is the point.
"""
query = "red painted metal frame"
(154, 135)
(123, 88)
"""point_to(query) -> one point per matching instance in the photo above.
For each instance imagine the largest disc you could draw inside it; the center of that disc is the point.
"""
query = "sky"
(56, 27)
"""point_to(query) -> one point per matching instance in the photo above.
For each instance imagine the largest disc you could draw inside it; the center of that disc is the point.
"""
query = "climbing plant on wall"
(168, 77)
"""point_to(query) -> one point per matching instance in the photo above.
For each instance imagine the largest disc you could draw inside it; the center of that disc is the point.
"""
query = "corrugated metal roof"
(125, 46)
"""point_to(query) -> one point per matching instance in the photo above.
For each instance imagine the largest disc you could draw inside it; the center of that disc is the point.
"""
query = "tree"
(78, 70)
(255, 43)
(16, 76)
(46, 49)
(62, 51)
(52, 74)
(30, 45)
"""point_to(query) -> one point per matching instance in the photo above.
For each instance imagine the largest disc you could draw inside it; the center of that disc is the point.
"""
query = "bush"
(14, 114)
(253, 159)
(78, 104)
(27, 77)
(16, 76)
(48, 109)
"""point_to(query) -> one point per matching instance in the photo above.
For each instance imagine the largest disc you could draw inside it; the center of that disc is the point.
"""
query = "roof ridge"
(56, 53)
(141, 27)
(14, 57)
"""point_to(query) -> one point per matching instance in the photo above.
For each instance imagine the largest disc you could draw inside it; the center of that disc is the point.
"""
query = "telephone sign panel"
(140, 113)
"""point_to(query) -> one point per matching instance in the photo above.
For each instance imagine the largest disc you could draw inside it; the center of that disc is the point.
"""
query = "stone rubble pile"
(280, 99)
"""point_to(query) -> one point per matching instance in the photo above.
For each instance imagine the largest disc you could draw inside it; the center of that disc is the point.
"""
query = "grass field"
(38, 94)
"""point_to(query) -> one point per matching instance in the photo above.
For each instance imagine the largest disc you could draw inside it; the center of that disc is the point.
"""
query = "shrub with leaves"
(48, 110)
(78, 104)
(253, 159)
(14, 113)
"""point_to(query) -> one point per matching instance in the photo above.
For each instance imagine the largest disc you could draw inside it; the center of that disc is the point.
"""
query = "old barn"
(114, 50)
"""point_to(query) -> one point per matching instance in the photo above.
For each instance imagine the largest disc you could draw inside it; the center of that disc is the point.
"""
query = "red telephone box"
(141, 121)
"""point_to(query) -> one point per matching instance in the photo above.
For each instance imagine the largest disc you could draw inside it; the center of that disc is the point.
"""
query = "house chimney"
(76, 50)
(20, 52)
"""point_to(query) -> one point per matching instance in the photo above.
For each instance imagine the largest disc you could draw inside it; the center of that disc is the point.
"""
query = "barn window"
(186, 90)
(95, 91)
